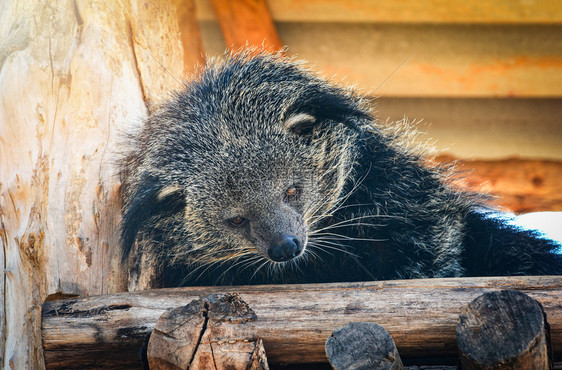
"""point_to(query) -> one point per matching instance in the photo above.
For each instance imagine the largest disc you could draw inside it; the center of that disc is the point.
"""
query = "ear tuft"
(168, 192)
(300, 123)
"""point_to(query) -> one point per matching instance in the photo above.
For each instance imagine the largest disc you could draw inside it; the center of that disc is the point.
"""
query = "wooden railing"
(294, 321)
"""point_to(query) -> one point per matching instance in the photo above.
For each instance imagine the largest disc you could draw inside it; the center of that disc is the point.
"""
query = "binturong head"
(235, 171)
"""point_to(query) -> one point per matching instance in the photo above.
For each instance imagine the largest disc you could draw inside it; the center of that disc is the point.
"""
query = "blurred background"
(481, 80)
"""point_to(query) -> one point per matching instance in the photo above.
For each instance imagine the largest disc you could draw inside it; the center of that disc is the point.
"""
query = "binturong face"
(260, 196)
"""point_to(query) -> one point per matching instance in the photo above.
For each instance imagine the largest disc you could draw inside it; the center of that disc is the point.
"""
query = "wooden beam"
(404, 60)
(294, 321)
(246, 22)
(408, 11)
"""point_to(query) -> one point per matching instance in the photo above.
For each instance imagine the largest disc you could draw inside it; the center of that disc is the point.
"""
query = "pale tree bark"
(74, 75)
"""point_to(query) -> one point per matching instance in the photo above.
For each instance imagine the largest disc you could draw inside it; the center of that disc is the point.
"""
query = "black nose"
(288, 248)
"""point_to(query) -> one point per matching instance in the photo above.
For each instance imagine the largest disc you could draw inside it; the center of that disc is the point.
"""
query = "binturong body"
(260, 172)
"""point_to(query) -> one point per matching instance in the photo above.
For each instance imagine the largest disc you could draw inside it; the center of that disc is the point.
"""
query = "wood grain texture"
(72, 76)
(246, 22)
(503, 330)
(294, 321)
(408, 11)
(206, 334)
(362, 345)
(176, 336)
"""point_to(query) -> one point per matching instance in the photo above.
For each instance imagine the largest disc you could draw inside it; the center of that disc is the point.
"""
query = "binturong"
(261, 172)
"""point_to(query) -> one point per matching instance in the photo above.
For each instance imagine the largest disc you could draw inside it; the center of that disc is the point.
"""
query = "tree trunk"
(73, 75)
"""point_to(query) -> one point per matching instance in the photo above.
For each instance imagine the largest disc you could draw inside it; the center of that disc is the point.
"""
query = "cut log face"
(205, 334)
(505, 329)
(362, 345)
(176, 336)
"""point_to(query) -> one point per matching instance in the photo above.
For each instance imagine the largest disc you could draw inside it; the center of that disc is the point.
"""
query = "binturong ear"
(323, 107)
(300, 123)
(149, 201)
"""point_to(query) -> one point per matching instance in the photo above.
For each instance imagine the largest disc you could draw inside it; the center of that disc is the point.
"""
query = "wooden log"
(205, 334)
(362, 345)
(503, 330)
(247, 22)
(519, 185)
(294, 321)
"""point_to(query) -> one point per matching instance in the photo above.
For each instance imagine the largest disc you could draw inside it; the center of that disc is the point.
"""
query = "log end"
(362, 345)
(505, 328)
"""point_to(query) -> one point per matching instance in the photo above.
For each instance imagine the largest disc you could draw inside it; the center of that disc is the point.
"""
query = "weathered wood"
(408, 11)
(246, 22)
(362, 345)
(73, 74)
(503, 330)
(294, 321)
(176, 335)
(205, 334)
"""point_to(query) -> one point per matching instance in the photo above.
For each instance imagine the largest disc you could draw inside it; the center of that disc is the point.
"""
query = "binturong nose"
(286, 249)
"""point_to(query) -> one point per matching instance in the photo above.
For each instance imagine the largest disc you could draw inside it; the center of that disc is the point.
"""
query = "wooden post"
(294, 321)
(247, 22)
(73, 75)
(362, 345)
(193, 51)
(503, 330)
(206, 333)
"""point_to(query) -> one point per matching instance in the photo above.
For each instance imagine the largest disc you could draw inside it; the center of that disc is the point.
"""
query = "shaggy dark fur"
(260, 172)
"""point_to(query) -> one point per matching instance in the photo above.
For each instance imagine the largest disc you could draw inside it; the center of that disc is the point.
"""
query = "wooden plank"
(408, 11)
(403, 60)
(434, 60)
(519, 185)
(247, 22)
(294, 321)
(486, 129)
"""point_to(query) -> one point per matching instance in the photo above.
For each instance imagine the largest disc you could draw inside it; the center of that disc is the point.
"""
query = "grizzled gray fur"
(261, 172)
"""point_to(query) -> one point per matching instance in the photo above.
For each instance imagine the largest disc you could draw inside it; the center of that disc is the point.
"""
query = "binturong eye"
(292, 194)
(237, 221)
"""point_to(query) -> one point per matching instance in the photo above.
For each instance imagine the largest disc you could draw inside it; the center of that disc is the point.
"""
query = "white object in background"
(549, 224)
